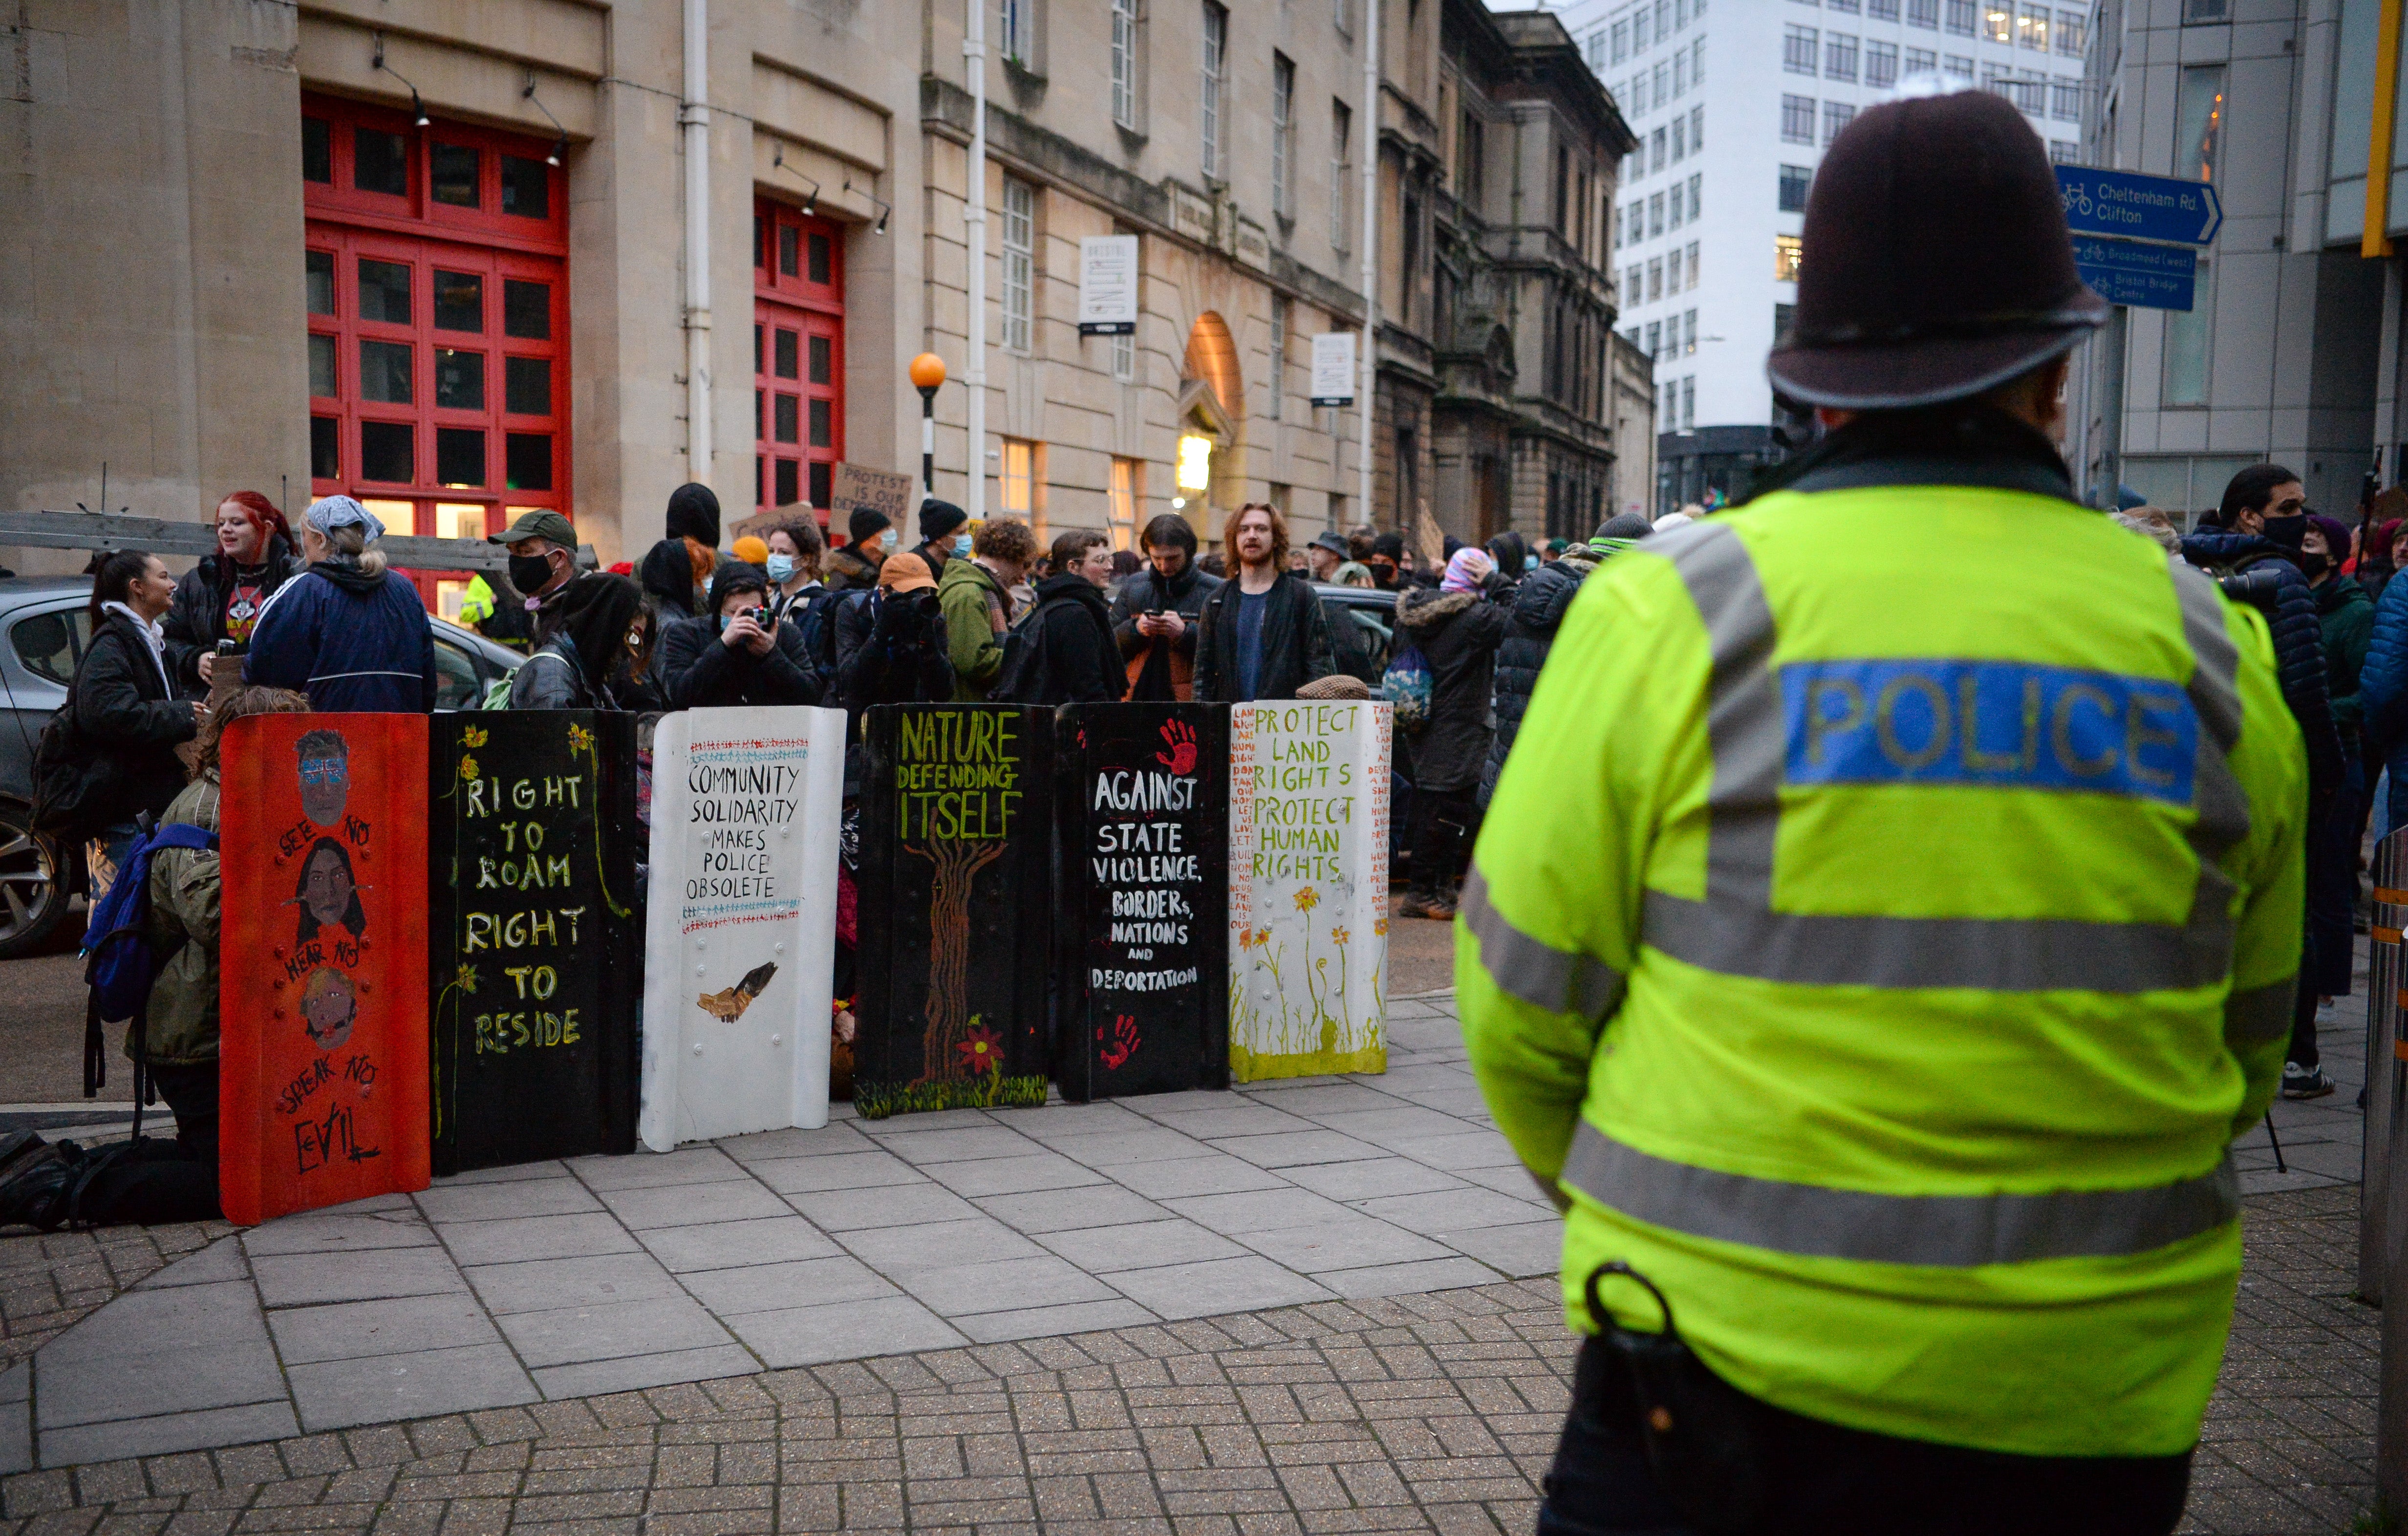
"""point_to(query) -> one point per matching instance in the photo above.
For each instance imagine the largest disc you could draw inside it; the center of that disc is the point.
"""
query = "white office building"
(1733, 104)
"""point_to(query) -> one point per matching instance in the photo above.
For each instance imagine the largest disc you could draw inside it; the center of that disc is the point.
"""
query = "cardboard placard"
(740, 925)
(857, 485)
(322, 995)
(956, 854)
(1308, 888)
(535, 959)
(1141, 896)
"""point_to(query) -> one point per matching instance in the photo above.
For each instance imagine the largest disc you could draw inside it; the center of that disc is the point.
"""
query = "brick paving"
(50, 1283)
(1429, 1412)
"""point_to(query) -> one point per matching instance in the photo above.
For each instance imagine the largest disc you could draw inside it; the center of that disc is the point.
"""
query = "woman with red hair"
(220, 599)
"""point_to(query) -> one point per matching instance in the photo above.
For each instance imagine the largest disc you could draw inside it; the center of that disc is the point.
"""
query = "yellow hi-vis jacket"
(1884, 923)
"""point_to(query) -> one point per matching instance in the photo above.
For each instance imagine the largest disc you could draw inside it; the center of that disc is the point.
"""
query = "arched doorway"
(1212, 356)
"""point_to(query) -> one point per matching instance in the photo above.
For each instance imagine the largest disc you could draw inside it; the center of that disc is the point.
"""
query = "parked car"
(47, 628)
(1372, 610)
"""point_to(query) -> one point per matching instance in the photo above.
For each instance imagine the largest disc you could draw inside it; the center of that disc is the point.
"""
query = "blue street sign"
(2153, 277)
(2138, 208)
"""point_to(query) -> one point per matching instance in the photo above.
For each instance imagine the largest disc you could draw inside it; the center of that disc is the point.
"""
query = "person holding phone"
(740, 654)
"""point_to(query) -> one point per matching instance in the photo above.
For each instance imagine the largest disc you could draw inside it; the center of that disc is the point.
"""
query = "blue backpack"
(118, 963)
(1408, 686)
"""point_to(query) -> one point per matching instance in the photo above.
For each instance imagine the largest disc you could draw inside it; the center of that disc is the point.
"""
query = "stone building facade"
(1509, 352)
(437, 255)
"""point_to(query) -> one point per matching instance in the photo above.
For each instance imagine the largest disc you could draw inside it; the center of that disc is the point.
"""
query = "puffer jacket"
(2256, 571)
(185, 895)
(1540, 604)
(2382, 692)
(354, 642)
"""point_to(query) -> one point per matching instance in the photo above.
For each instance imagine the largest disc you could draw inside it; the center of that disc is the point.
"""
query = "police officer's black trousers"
(163, 1181)
(1821, 1478)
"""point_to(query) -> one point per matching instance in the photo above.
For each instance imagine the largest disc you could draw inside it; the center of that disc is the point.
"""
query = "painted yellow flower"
(468, 769)
(1245, 939)
(468, 978)
(1340, 936)
(1307, 898)
(1380, 926)
(580, 739)
(473, 736)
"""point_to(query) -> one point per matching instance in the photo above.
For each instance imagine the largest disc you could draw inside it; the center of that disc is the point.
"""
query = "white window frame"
(1342, 161)
(1279, 354)
(1125, 63)
(1283, 135)
(1019, 263)
(1212, 81)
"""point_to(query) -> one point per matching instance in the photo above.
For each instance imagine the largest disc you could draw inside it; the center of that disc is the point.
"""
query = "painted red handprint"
(1122, 1043)
(1180, 738)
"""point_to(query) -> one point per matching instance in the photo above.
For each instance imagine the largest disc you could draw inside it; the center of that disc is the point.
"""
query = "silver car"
(46, 626)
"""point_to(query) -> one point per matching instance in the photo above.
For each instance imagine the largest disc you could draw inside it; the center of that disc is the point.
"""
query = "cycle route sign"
(2132, 207)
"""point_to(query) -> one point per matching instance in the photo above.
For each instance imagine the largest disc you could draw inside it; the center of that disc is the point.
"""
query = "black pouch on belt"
(1700, 1432)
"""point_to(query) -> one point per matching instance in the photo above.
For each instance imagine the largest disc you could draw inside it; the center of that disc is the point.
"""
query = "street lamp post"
(927, 376)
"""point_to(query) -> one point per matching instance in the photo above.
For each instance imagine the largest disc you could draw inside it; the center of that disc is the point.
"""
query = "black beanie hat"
(867, 522)
(694, 513)
(939, 518)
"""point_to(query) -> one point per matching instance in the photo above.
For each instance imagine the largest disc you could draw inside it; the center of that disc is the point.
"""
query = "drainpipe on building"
(974, 219)
(1370, 364)
(694, 117)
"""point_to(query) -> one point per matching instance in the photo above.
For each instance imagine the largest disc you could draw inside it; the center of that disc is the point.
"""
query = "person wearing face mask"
(599, 651)
(2345, 617)
(543, 562)
(220, 599)
(740, 654)
(855, 565)
(944, 532)
(2254, 556)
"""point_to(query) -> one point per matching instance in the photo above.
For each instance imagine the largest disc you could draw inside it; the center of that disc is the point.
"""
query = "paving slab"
(580, 1236)
(547, 1285)
(1216, 1285)
(351, 1330)
(763, 1242)
(846, 1330)
(382, 1388)
(779, 1288)
(505, 1200)
(574, 1335)
(222, 1260)
(1139, 1244)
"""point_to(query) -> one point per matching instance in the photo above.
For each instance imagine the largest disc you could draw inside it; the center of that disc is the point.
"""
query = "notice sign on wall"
(956, 854)
(535, 957)
(1144, 795)
(740, 923)
(321, 992)
(1108, 279)
(1333, 368)
(1308, 888)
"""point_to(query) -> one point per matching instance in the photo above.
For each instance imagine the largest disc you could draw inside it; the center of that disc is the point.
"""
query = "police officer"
(1887, 919)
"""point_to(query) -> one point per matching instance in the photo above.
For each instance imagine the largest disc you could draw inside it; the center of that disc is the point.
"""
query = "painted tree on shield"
(956, 865)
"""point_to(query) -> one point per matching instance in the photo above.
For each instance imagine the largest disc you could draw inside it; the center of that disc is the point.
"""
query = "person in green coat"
(975, 596)
(2345, 614)
(43, 1184)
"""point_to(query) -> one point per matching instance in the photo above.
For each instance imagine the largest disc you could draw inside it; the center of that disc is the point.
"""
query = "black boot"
(36, 1182)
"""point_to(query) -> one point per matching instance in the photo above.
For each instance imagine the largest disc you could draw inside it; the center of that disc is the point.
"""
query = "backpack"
(1022, 677)
(1407, 684)
(118, 963)
(74, 783)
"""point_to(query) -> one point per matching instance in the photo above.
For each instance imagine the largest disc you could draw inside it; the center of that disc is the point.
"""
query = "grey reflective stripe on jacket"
(1943, 1232)
(1558, 979)
(1736, 931)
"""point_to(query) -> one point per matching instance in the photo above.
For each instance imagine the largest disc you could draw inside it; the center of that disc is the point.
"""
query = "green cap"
(537, 523)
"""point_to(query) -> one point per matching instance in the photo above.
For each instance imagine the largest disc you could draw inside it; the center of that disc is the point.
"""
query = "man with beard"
(1264, 633)
(1156, 614)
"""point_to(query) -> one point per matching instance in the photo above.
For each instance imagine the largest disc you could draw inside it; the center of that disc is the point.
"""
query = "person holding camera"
(903, 660)
(742, 652)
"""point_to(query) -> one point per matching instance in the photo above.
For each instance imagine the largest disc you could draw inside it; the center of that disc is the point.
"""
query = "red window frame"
(798, 356)
(485, 253)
